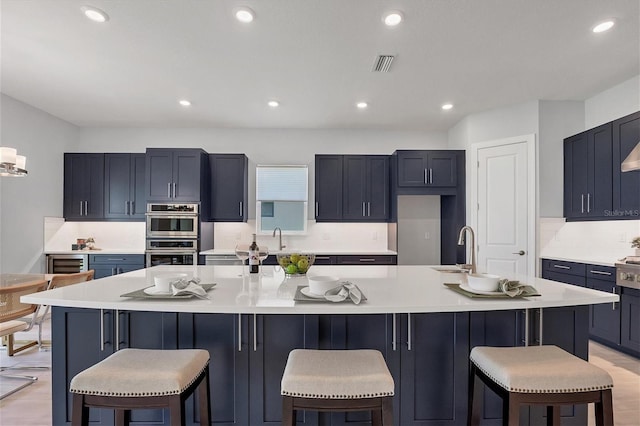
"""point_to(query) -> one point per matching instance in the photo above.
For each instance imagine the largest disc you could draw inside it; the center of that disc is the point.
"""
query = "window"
(281, 199)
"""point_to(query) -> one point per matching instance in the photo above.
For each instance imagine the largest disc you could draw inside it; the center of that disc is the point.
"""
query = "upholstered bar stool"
(142, 378)
(538, 375)
(337, 380)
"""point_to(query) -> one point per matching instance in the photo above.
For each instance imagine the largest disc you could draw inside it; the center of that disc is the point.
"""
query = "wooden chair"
(59, 280)
(537, 375)
(11, 309)
(337, 380)
(143, 378)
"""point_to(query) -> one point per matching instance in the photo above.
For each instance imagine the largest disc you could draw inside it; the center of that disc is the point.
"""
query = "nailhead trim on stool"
(542, 375)
(337, 380)
(143, 378)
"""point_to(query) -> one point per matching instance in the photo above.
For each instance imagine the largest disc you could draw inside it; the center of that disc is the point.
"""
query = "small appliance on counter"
(628, 272)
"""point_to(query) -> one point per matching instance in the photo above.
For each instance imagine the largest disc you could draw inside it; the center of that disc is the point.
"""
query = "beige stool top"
(336, 374)
(142, 372)
(539, 369)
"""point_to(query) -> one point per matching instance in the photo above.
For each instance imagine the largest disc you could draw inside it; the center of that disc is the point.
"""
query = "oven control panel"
(628, 275)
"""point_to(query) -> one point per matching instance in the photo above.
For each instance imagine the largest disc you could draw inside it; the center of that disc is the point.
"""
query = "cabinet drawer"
(366, 260)
(565, 278)
(324, 260)
(564, 267)
(116, 259)
(603, 273)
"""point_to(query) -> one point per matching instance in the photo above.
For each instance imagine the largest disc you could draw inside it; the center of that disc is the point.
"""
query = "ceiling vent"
(383, 63)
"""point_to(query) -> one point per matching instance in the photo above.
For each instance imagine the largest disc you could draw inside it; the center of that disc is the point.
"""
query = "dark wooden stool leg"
(512, 410)
(376, 417)
(176, 410)
(476, 391)
(123, 417)
(553, 415)
(288, 414)
(604, 409)
(80, 412)
(204, 396)
(387, 411)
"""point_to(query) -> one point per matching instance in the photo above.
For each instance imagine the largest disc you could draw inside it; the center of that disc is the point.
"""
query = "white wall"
(615, 102)
(25, 201)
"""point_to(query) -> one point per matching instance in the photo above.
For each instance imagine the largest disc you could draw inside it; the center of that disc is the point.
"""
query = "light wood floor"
(32, 405)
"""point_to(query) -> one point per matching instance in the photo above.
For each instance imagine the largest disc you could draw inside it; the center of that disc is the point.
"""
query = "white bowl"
(319, 284)
(163, 281)
(483, 282)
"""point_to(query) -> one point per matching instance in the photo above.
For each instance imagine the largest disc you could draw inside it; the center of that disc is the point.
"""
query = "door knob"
(521, 252)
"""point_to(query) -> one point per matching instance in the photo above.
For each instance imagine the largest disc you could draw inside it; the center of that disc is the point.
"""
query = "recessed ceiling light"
(362, 105)
(184, 102)
(273, 104)
(393, 18)
(94, 14)
(447, 106)
(603, 26)
(244, 14)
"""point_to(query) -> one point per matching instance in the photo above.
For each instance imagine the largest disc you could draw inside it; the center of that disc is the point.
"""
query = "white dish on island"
(307, 292)
(154, 291)
(466, 287)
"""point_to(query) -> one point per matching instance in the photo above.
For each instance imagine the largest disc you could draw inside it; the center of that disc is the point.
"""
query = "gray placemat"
(456, 287)
(299, 297)
(140, 294)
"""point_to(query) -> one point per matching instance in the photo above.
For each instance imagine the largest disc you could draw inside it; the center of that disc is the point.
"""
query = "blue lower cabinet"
(630, 321)
(106, 265)
(84, 337)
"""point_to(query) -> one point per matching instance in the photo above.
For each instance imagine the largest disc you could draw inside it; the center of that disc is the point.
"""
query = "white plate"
(466, 287)
(307, 292)
(152, 291)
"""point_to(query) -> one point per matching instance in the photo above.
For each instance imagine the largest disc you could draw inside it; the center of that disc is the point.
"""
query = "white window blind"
(281, 183)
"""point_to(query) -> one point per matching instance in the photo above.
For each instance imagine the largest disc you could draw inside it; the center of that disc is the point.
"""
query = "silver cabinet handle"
(117, 319)
(561, 267)
(425, 176)
(408, 332)
(255, 334)
(541, 325)
(101, 330)
(393, 332)
(113, 271)
(526, 327)
(367, 259)
(588, 202)
(86, 208)
(521, 252)
(613, 304)
(581, 203)
(81, 204)
(316, 209)
(323, 257)
(174, 190)
(239, 332)
(126, 207)
(240, 212)
(430, 175)
(600, 272)
(368, 208)
(115, 260)
(363, 214)
(168, 189)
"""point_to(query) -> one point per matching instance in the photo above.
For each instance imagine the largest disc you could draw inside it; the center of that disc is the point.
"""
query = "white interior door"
(506, 206)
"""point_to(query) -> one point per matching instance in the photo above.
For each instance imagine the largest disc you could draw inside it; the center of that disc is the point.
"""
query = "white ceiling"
(314, 56)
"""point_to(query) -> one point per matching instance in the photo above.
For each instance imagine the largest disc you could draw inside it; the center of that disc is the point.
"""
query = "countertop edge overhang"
(389, 289)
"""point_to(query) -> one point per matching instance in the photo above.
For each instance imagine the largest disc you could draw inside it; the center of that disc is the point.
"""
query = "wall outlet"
(427, 235)
(374, 236)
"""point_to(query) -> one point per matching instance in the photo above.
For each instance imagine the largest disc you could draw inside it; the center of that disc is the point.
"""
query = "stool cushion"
(13, 326)
(539, 369)
(336, 374)
(142, 372)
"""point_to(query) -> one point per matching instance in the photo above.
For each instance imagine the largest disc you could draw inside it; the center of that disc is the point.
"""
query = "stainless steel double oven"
(173, 234)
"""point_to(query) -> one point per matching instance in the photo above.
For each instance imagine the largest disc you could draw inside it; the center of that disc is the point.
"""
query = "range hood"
(632, 162)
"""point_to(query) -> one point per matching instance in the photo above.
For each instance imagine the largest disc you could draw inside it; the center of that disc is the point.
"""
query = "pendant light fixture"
(12, 164)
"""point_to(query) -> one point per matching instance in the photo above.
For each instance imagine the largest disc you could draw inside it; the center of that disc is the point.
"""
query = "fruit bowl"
(295, 263)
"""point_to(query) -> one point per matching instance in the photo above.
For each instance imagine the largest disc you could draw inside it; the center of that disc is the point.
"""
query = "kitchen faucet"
(473, 245)
(280, 246)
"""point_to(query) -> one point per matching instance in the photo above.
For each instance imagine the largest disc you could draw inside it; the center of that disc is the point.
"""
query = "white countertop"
(101, 251)
(389, 289)
(326, 252)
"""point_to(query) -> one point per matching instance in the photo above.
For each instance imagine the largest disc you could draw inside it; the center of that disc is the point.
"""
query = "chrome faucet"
(473, 245)
(280, 246)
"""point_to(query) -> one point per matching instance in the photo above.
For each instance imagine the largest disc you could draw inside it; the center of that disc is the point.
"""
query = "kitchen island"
(250, 324)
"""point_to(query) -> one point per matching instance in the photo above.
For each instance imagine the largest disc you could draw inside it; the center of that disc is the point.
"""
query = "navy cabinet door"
(117, 184)
(83, 186)
(626, 185)
(434, 368)
(576, 175)
(630, 320)
(427, 168)
(442, 168)
(354, 187)
(137, 193)
(600, 197)
(273, 337)
(187, 166)
(378, 188)
(225, 337)
(604, 318)
(328, 187)
(376, 331)
(229, 190)
(159, 174)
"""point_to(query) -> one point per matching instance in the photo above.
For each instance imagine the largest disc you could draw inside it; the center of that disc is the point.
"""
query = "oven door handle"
(176, 252)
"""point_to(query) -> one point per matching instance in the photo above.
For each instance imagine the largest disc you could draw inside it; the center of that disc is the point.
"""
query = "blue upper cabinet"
(626, 185)
(430, 168)
(365, 188)
(594, 186)
(177, 175)
(83, 186)
(124, 186)
(328, 188)
(588, 174)
(229, 187)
